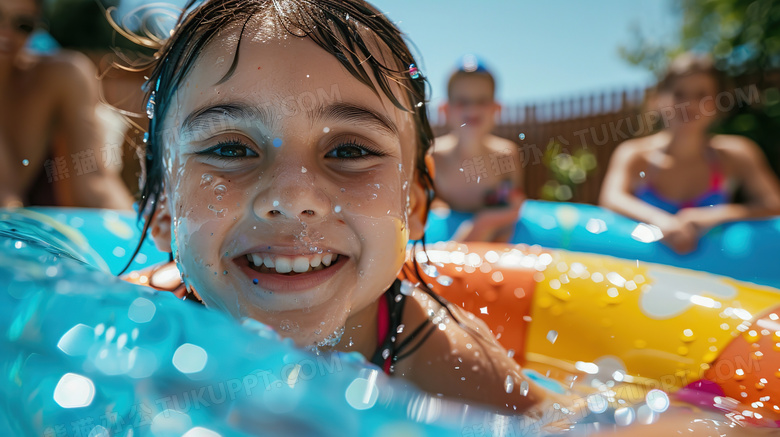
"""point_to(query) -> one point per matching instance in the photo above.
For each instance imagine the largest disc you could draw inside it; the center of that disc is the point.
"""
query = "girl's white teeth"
(267, 261)
(283, 265)
(298, 264)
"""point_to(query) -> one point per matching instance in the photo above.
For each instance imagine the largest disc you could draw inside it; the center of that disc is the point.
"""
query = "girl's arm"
(9, 191)
(616, 194)
(94, 184)
(616, 190)
(752, 170)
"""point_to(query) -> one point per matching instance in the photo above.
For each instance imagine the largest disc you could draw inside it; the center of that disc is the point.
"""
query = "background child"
(469, 159)
(682, 179)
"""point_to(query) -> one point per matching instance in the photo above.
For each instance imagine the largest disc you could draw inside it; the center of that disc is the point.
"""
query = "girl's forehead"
(274, 69)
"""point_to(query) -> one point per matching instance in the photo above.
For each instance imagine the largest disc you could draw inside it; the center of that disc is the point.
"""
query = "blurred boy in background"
(476, 171)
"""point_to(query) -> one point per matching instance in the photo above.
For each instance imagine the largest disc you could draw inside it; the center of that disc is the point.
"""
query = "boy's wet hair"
(470, 66)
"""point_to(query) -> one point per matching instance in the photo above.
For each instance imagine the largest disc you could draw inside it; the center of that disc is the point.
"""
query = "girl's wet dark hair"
(688, 64)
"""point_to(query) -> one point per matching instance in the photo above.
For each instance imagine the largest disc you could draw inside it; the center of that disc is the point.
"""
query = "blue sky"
(538, 49)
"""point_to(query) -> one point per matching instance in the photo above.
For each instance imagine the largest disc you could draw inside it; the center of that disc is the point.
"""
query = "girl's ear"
(418, 203)
(161, 226)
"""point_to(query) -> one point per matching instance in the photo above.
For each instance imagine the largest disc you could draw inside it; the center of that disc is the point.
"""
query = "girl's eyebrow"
(353, 114)
(210, 116)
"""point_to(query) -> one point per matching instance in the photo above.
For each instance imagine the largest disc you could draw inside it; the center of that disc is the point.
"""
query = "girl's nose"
(292, 195)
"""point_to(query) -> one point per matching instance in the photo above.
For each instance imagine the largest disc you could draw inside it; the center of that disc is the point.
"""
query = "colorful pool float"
(742, 250)
(584, 316)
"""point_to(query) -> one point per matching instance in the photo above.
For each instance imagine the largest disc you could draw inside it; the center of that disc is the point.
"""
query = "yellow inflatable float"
(578, 317)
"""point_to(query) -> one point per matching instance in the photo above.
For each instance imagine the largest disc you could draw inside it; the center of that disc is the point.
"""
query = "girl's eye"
(352, 150)
(230, 149)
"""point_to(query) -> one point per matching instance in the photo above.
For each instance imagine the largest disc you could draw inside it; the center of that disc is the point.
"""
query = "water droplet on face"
(521, 136)
(641, 174)
(325, 129)
(220, 190)
(206, 179)
(25, 162)
(303, 170)
(289, 326)
(337, 209)
(277, 142)
(275, 203)
(509, 384)
(552, 336)
(343, 190)
(463, 125)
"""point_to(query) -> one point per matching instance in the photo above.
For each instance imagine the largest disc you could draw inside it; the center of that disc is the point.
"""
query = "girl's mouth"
(290, 273)
(291, 265)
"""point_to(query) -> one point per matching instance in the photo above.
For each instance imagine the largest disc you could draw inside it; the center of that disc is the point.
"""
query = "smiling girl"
(286, 171)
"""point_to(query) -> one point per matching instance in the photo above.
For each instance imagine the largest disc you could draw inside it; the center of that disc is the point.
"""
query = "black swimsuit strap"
(388, 348)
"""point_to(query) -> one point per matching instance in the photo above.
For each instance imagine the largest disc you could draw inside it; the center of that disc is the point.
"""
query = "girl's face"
(693, 98)
(289, 185)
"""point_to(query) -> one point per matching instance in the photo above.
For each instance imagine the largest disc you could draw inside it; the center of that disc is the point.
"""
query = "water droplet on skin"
(552, 336)
(219, 212)
(325, 129)
(524, 388)
(641, 174)
(337, 209)
(510, 353)
(430, 270)
(275, 203)
(444, 280)
(25, 162)
(509, 384)
(206, 179)
(521, 136)
(343, 190)
(220, 190)
(406, 288)
(289, 326)
(219, 197)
